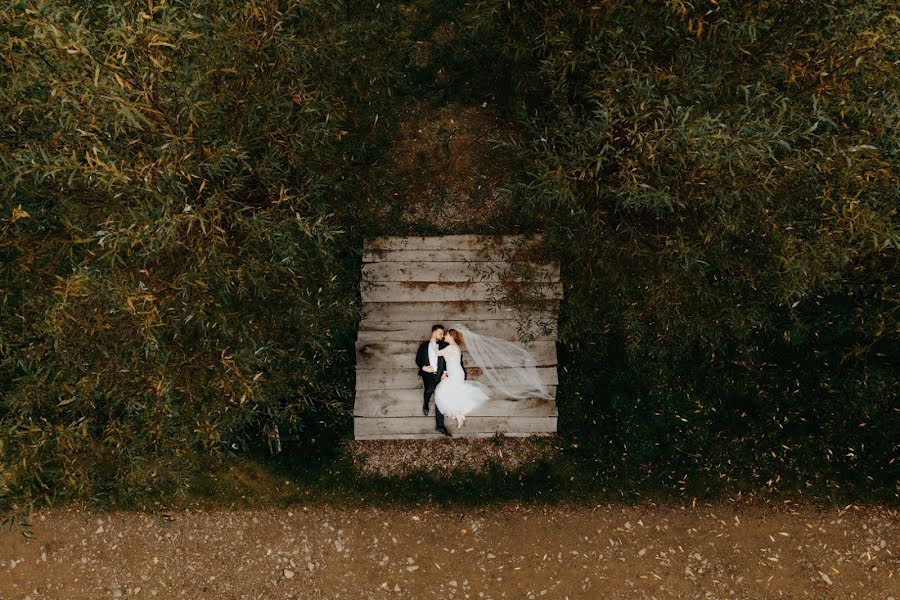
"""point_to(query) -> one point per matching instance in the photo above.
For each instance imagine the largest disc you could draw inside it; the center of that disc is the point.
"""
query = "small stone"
(288, 574)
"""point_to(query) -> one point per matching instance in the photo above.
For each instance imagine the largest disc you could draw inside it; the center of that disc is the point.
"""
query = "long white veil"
(506, 367)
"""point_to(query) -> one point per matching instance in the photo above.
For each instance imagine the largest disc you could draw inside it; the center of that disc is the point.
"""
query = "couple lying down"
(508, 369)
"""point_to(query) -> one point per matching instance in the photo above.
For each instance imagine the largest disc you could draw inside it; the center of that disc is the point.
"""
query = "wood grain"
(463, 256)
(494, 408)
(419, 291)
(507, 329)
(434, 435)
(381, 355)
(445, 271)
(422, 424)
(404, 378)
(410, 283)
(465, 310)
(408, 403)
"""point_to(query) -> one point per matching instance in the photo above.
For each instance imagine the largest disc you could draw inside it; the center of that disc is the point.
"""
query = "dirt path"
(512, 552)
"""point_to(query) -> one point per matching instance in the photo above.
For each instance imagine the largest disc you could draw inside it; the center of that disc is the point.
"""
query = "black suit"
(431, 380)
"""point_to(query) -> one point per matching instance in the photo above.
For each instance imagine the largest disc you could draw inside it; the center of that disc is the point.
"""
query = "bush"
(179, 276)
(185, 189)
(720, 180)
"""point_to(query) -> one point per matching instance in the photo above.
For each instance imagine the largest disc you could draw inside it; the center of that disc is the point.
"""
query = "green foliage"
(178, 275)
(721, 180)
(185, 187)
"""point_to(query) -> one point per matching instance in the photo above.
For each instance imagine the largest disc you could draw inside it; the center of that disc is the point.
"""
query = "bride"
(455, 396)
(509, 369)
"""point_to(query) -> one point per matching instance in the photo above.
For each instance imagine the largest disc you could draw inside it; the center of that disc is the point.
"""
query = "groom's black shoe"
(425, 409)
(443, 430)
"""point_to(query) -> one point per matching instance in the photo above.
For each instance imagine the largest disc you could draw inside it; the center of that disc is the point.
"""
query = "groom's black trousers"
(431, 380)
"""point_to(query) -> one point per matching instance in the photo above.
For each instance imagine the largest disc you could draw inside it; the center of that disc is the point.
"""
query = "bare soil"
(443, 167)
(313, 551)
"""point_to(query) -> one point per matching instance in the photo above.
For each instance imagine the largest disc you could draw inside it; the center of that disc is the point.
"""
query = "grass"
(317, 471)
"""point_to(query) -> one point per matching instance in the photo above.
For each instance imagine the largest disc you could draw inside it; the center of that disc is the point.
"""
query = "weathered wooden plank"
(451, 242)
(463, 256)
(493, 408)
(422, 424)
(407, 377)
(507, 329)
(420, 291)
(410, 283)
(410, 395)
(452, 311)
(383, 355)
(408, 403)
(481, 255)
(448, 271)
(539, 349)
(464, 434)
(413, 396)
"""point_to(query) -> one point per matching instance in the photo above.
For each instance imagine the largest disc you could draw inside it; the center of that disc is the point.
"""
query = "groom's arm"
(463, 365)
(422, 358)
(419, 357)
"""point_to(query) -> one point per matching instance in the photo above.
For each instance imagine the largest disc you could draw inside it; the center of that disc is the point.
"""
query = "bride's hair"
(457, 337)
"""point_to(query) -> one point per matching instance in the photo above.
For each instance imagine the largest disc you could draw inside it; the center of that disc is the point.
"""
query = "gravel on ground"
(512, 551)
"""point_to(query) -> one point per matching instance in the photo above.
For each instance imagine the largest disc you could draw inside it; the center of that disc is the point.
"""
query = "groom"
(431, 369)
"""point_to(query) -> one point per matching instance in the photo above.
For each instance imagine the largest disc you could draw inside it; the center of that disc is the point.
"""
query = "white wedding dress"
(455, 396)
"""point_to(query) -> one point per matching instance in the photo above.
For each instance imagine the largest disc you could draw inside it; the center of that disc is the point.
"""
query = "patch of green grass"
(574, 475)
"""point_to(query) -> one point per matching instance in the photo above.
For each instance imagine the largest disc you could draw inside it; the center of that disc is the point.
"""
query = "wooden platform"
(497, 285)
